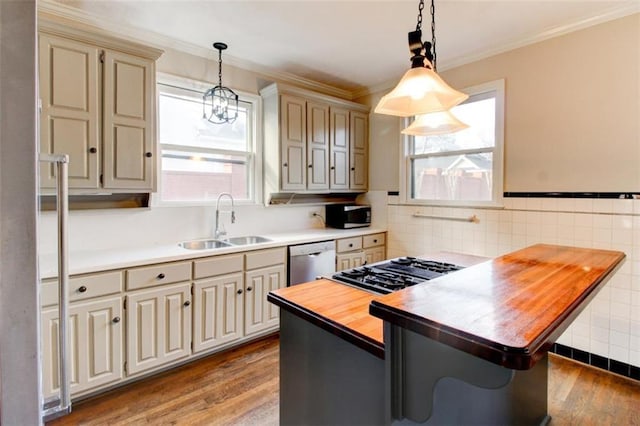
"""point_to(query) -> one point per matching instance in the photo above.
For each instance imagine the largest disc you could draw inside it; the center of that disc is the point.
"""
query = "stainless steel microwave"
(345, 216)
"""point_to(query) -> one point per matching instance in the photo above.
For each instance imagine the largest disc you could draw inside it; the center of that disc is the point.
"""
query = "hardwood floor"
(240, 387)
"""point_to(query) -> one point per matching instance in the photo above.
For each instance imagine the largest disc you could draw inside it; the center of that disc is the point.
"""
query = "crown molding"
(610, 15)
(61, 12)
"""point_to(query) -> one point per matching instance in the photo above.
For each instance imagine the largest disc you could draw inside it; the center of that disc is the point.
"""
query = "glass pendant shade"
(435, 123)
(420, 91)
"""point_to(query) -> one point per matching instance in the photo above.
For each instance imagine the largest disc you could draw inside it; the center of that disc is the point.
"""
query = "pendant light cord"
(433, 34)
(220, 67)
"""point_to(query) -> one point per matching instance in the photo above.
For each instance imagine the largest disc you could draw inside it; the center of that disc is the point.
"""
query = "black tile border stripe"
(598, 361)
(607, 195)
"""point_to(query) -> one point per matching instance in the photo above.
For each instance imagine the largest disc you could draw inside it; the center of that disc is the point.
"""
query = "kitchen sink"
(251, 239)
(204, 244)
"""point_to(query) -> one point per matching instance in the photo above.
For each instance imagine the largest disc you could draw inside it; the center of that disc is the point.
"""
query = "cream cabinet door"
(259, 313)
(293, 142)
(349, 260)
(359, 129)
(158, 326)
(317, 146)
(95, 356)
(217, 311)
(375, 254)
(70, 117)
(128, 119)
(339, 137)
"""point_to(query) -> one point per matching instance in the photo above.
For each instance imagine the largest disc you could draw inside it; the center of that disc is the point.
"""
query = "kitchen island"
(466, 348)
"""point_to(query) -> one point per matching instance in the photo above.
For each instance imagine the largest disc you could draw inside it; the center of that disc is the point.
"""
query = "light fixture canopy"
(421, 90)
(435, 123)
(221, 101)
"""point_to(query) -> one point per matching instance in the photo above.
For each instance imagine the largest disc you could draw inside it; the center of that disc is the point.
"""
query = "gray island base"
(327, 380)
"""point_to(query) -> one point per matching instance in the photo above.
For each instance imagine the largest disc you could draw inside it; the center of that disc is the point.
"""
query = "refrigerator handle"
(62, 186)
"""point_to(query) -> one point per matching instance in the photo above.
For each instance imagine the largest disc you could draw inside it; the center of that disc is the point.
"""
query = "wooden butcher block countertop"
(344, 310)
(508, 310)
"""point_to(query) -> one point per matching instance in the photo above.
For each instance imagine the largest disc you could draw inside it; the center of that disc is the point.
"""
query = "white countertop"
(86, 261)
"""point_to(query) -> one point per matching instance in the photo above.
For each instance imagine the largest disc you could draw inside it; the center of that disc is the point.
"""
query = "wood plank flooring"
(240, 387)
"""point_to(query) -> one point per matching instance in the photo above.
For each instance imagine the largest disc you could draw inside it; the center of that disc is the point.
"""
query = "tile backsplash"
(610, 325)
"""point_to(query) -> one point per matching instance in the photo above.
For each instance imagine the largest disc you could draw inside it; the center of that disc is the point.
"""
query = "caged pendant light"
(421, 90)
(221, 101)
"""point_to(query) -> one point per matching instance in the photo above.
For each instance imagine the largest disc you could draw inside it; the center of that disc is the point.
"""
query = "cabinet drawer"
(165, 273)
(373, 240)
(262, 258)
(349, 244)
(83, 287)
(219, 265)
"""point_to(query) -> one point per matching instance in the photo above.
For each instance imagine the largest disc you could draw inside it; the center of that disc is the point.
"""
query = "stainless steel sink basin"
(203, 244)
(250, 239)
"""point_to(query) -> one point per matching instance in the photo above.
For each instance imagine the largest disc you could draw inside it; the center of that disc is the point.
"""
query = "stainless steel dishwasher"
(307, 262)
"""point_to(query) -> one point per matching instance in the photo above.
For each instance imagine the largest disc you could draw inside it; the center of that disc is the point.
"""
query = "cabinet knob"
(160, 276)
(350, 245)
(82, 289)
(375, 241)
(285, 165)
(148, 154)
(364, 263)
(353, 169)
(333, 167)
(310, 166)
(116, 320)
(239, 291)
(93, 150)
(249, 289)
(187, 303)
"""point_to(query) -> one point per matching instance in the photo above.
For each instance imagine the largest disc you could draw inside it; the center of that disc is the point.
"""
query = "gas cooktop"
(395, 274)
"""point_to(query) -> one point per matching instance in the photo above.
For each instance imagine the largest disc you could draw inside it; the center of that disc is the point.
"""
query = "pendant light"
(222, 101)
(421, 90)
(435, 123)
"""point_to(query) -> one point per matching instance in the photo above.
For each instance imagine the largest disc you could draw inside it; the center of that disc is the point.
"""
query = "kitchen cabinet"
(313, 143)
(95, 333)
(357, 251)
(217, 301)
(158, 326)
(266, 271)
(97, 98)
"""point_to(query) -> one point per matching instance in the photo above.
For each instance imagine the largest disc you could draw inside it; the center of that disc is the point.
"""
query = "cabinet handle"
(364, 263)
(161, 276)
(82, 289)
(239, 291)
(93, 150)
(148, 154)
(116, 320)
(249, 289)
(187, 303)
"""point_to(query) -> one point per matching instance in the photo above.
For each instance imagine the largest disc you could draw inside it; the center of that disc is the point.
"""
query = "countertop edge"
(340, 330)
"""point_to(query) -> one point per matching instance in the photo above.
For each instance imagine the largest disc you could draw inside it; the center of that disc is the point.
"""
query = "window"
(200, 159)
(462, 168)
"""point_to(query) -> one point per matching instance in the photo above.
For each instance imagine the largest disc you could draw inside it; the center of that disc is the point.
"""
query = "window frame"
(255, 161)
(497, 191)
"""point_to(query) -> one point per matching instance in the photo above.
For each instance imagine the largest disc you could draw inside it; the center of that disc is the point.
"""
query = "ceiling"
(352, 45)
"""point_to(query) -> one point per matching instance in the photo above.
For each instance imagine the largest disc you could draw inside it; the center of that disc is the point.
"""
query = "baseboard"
(597, 361)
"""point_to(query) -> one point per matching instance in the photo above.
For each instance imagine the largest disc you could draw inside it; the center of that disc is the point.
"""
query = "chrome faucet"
(220, 232)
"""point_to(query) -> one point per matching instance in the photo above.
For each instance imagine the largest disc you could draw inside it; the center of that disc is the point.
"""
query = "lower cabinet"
(217, 311)
(158, 326)
(357, 251)
(259, 314)
(95, 336)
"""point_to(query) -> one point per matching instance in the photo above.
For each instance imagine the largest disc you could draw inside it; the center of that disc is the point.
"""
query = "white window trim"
(498, 157)
(255, 186)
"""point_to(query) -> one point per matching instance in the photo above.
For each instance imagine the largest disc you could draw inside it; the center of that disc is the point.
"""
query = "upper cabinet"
(313, 143)
(97, 98)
